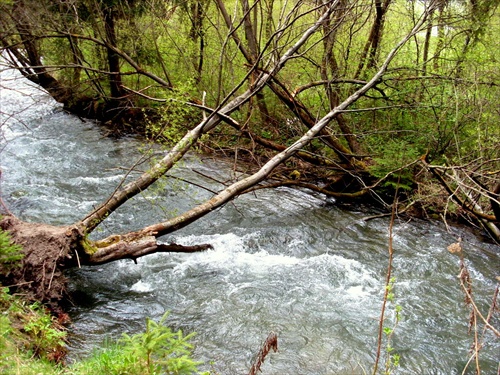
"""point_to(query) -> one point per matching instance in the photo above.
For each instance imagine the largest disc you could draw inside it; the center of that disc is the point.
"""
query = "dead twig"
(475, 314)
(270, 343)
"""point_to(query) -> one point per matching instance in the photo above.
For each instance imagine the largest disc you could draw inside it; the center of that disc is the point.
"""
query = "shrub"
(159, 350)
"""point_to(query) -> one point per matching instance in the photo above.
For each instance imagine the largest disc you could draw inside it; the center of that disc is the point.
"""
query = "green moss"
(10, 253)
(88, 246)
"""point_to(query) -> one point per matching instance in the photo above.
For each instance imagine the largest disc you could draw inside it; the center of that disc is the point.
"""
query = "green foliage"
(30, 339)
(174, 118)
(10, 253)
(156, 351)
(392, 358)
(110, 359)
(44, 335)
(161, 349)
(391, 162)
(5, 331)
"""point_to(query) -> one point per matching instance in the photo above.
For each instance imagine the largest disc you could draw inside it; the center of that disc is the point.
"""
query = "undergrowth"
(32, 340)
(158, 350)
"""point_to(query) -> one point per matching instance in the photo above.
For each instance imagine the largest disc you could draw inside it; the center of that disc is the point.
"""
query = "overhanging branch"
(137, 248)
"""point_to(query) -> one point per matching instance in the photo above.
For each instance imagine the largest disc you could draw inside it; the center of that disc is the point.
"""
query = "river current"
(284, 260)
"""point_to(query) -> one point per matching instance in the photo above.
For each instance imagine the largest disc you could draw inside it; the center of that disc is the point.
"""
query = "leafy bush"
(394, 156)
(45, 336)
(174, 117)
(30, 340)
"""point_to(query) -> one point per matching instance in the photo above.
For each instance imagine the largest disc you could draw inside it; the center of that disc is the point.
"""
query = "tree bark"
(494, 201)
(369, 55)
(115, 79)
(36, 72)
(440, 24)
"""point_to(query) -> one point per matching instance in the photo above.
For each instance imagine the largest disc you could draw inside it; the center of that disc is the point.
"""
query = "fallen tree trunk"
(48, 250)
(133, 248)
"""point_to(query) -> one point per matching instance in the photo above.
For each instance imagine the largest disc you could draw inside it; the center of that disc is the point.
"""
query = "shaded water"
(283, 260)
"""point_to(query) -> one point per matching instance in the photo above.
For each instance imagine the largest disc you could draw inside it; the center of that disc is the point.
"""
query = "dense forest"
(357, 100)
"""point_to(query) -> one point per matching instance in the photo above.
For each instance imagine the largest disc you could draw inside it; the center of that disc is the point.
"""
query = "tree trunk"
(115, 79)
(251, 54)
(329, 71)
(495, 201)
(440, 24)
(197, 15)
(369, 55)
(427, 42)
(37, 73)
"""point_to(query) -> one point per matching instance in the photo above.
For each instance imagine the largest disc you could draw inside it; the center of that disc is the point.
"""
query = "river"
(284, 260)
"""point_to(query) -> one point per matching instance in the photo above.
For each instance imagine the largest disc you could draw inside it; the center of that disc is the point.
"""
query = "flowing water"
(284, 260)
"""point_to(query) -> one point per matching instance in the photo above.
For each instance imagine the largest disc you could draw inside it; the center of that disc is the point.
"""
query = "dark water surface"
(283, 260)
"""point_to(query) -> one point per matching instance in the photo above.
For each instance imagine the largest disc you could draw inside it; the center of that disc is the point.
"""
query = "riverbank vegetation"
(350, 99)
(33, 339)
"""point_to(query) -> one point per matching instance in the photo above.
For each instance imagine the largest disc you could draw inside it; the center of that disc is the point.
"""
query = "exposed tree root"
(47, 251)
